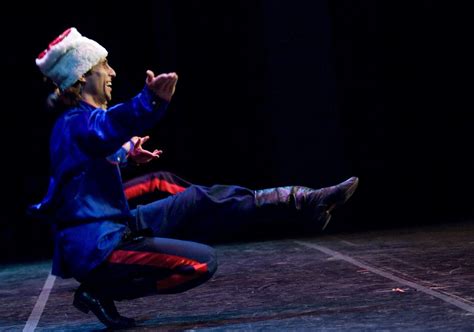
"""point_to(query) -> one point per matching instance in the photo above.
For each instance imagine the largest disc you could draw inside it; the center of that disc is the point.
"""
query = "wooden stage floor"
(410, 279)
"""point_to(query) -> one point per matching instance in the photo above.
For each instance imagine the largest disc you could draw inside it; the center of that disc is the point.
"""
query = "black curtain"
(270, 93)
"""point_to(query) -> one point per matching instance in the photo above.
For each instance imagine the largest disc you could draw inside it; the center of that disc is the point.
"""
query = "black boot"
(305, 203)
(103, 308)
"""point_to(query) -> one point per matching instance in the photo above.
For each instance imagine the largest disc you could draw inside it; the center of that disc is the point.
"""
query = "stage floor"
(410, 279)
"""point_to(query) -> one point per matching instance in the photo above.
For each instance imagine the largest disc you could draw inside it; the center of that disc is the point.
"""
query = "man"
(118, 253)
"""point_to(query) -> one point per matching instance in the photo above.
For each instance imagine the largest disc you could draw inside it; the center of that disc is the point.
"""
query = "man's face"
(99, 83)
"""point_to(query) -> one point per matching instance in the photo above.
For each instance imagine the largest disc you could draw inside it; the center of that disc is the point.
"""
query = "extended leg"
(227, 212)
(201, 213)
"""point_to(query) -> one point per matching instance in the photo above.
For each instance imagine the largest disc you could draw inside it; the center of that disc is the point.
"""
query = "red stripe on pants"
(150, 186)
(158, 260)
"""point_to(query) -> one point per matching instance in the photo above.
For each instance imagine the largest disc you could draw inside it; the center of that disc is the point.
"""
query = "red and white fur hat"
(68, 57)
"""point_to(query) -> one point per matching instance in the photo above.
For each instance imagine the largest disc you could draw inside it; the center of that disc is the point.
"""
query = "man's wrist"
(132, 145)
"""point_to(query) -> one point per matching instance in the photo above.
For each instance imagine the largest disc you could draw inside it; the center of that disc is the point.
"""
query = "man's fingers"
(170, 85)
(162, 85)
(149, 76)
(164, 78)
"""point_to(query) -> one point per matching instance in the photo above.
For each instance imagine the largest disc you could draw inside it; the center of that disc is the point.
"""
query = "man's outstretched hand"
(140, 155)
(162, 85)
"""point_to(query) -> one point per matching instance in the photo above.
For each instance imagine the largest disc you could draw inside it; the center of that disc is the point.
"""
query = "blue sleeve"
(104, 132)
(119, 157)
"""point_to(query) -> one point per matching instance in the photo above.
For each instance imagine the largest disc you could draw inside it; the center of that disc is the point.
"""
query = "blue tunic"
(85, 199)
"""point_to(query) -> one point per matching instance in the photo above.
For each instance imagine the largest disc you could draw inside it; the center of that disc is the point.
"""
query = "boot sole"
(347, 194)
(351, 190)
(326, 222)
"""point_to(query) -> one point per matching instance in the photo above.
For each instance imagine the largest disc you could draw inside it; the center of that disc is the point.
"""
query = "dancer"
(117, 252)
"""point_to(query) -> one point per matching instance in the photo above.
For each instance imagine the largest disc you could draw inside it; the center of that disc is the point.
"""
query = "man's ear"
(82, 79)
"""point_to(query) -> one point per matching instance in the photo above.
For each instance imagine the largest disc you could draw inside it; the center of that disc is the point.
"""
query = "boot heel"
(81, 306)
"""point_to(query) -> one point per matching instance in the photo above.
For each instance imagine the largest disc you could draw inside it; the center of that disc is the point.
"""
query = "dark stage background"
(270, 93)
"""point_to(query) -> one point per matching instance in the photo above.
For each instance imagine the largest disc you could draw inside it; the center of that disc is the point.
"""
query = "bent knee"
(212, 262)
